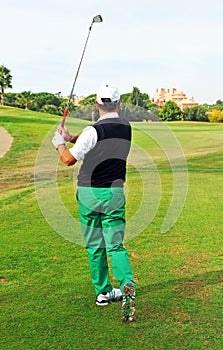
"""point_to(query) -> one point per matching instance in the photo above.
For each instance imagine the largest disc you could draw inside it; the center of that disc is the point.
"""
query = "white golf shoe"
(106, 298)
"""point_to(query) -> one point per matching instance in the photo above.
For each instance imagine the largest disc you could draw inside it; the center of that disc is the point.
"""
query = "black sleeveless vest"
(105, 164)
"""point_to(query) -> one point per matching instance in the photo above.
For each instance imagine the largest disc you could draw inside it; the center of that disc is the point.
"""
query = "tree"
(219, 102)
(24, 99)
(44, 98)
(215, 116)
(51, 109)
(10, 99)
(86, 112)
(170, 111)
(138, 99)
(125, 98)
(196, 113)
(89, 100)
(5, 81)
(218, 105)
(63, 105)
(134, 113)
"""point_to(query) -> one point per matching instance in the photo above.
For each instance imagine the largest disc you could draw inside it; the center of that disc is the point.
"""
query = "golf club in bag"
(96, 19)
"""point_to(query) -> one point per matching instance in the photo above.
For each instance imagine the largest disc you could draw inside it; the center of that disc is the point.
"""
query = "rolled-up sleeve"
(85, 142)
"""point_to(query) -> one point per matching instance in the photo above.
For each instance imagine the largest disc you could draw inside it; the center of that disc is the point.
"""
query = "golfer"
(103, 148)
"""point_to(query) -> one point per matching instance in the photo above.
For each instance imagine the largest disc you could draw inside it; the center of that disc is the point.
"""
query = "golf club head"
(97, 19)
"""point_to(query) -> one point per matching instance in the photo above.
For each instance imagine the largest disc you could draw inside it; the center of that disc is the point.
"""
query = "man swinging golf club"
(103, 148)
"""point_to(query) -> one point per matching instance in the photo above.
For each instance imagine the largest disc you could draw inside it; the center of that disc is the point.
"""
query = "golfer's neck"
(102, 112)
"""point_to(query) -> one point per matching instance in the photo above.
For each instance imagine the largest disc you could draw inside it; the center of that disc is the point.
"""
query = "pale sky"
(147, 44)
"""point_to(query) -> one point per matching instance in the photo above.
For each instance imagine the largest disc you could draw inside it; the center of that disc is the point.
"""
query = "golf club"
(96, 19)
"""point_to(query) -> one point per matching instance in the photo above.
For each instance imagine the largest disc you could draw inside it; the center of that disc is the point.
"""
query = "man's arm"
(85, 142)
(65, 155)
(73, 138)
(60, 145)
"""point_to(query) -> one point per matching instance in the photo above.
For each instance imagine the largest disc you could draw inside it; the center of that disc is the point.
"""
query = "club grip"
(64, 116)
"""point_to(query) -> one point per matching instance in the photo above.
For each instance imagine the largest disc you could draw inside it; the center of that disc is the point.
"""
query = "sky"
(148, 44)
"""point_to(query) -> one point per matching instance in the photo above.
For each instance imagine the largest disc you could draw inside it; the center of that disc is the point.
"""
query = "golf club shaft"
(76, 76)
(75, 79)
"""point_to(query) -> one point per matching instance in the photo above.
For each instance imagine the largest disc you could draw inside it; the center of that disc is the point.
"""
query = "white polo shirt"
(88, 139)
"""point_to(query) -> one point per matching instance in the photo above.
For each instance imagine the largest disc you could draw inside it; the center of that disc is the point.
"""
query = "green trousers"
(102, 217)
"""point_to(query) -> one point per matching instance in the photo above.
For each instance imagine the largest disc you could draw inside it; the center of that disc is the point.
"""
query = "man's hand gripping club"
(59, 140)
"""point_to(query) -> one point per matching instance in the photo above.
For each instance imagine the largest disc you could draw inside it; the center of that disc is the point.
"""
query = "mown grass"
(47, 299)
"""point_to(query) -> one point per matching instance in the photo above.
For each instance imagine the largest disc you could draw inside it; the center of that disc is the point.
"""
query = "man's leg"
(99, 269)
(113, 223)
(121, 267)
(90, 218)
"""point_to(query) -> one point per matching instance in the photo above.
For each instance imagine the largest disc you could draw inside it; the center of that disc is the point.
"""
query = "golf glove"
(58, 140)
(64, 132)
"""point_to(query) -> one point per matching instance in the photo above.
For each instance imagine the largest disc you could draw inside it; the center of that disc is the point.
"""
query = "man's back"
(105, 164)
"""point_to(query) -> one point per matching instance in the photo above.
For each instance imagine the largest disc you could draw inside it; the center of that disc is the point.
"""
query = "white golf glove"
(58, 140)
(65, 132)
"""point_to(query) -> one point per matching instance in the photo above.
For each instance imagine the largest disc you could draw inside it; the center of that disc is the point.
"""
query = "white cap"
(108, 94)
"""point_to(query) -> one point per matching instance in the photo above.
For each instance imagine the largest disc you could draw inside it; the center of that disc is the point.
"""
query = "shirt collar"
(108, 115)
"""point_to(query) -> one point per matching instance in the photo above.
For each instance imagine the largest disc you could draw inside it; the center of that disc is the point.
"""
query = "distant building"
(76, 100)
(180, 98)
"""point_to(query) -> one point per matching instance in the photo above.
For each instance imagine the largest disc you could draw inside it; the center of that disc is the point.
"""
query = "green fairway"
(47, 300)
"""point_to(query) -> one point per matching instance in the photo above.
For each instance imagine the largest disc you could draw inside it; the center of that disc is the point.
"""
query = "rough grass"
(47, 299)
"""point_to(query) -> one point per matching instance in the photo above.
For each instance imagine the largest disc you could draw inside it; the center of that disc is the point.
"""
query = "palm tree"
(5, 81)
(24, 99)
